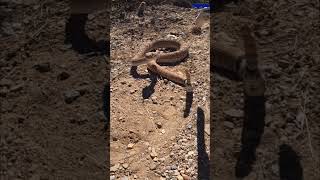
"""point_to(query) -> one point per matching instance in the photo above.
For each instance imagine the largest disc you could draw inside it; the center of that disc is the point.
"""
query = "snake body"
(170, 57)
(152, 61)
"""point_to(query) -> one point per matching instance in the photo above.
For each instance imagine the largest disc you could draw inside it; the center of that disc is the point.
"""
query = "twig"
(307, 127)
(299, 80)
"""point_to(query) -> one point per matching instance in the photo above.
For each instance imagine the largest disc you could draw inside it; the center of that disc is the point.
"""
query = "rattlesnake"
(145, 56)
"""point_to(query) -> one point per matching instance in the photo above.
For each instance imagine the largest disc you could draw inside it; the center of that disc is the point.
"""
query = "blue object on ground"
(200, 5)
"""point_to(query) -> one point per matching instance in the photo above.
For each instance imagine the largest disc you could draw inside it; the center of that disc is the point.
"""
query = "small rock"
(179, 177)
(63, 76)
(283, 64)
(125, 178)
(135, 176)
(196, 30)
(153, 166)
(130, 146)
(17, 87)
(42, 67)
(132, 91)
(190, 153)
(35, 177)
(125, 165)
(83, 89)
(112, 177)
(275, 169)
(207, 129)
(185, 177)
(173, 167)
(70, 96)
(6, 82)
(114, 168)
(264, 32)
(159, 125)
(228, 124)
(154, 99)
(3, 92)
(153, 153)
(234, 113)
(170, 36)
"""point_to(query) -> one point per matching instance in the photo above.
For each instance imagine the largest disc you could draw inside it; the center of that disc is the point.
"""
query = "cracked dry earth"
(287, 36)
(150, 138)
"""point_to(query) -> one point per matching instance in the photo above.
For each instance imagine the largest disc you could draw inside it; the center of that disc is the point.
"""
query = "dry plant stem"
(308, 128)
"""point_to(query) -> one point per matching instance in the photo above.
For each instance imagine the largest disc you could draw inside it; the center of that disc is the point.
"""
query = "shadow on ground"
(253, 128)
(203, 158)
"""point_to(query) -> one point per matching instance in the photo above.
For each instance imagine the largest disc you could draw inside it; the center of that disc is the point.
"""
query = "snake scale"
(153, 59)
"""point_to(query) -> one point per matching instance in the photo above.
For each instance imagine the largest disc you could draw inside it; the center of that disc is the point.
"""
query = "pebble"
(114, 168)
(153, 153)
(153, 166)
(130, 146)
(42, 67)
(228, 124)
(190, 153)
(179, 177)
(63, 76)
(186, 177)
(17, 87)
(132, 91)
(70, 96)
(207, 129)
(6, 82)
(3, 92)
(159, 125)
(125, 165)
(234, 113)
(125, 178)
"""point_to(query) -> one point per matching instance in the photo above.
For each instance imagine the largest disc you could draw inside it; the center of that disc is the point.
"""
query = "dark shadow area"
(217, 6)
(228, 74)
(289, 164)
(175, 63)
(253, 128)
(149, 90)
(134, 73)
(203, 158)
(75, 34)
(189, 99)
(106, 105)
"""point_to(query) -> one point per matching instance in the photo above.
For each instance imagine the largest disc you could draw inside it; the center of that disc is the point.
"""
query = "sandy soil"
(148, 112)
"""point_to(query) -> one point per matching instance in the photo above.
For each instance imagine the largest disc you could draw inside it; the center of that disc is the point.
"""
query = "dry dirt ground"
(150, 137)
(287, 34)
(43, 136)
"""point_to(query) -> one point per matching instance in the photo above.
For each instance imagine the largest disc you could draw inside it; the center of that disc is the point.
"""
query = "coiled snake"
(153, 59)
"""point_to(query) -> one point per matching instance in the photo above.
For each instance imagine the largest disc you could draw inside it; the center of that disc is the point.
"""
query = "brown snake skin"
(171, 57)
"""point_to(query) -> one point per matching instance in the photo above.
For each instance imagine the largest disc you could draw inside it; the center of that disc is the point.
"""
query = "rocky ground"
(50, 96)
(150, 137)
(287, 35)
